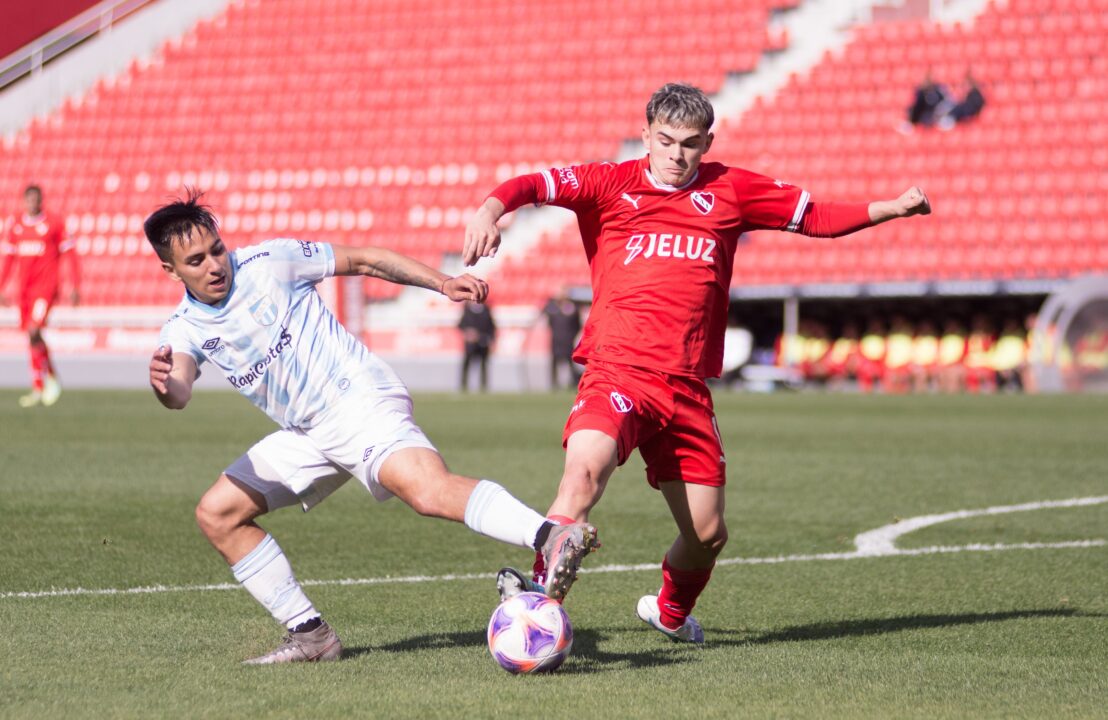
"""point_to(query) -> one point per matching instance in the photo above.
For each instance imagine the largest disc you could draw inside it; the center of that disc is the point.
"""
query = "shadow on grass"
(586, 656)
(878, 626)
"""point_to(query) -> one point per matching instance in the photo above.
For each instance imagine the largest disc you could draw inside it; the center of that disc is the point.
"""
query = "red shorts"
(669, 418)
(33, 310)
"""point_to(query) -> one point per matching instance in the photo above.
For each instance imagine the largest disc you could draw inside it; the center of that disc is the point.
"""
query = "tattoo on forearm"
(395, 272)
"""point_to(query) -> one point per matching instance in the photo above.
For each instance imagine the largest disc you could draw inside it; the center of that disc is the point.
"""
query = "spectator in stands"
(34, 245)
(952, 354)
(871, 352)
(478, 333)
(898, 356)
(565, 323)
(969, 107)
(925, 357)
(1010, 356)
(980, 375)
(842, 359)
(931, 103)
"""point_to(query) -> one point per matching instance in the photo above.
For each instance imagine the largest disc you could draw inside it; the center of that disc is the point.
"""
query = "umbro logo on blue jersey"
(368, 452)
(211, 344)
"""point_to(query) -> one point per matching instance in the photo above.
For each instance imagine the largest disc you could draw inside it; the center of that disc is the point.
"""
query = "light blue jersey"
(274, 339)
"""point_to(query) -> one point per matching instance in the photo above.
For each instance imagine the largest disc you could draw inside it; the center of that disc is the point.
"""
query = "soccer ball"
(530, 633)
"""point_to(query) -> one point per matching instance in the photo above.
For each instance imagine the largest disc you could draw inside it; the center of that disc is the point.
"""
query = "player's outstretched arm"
(403, 270)
(912, 202)
(172, 376)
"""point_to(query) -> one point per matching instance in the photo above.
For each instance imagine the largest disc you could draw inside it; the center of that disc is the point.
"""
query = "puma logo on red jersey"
(685, 247)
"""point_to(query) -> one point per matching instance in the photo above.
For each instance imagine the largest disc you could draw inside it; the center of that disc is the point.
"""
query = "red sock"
(40, 365)
(538, 570)
(680, 589)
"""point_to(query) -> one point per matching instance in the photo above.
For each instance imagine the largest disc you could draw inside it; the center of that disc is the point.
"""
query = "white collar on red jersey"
(663, 186)
(34, 219)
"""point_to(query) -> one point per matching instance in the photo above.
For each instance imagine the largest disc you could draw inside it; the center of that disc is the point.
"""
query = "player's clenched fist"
(914, 202)
(161, 363)
(466, 287)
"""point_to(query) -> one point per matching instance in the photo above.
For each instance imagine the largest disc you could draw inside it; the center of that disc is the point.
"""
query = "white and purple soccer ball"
(530, 633)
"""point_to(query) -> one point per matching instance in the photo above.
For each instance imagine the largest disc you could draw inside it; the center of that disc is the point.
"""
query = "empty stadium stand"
(359, 122)
(387, 122)
(1019, 192)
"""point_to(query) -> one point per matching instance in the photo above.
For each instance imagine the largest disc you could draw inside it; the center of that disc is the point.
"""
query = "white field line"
(871, 544)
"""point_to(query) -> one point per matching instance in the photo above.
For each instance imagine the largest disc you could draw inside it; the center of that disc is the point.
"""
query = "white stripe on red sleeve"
(801, 206)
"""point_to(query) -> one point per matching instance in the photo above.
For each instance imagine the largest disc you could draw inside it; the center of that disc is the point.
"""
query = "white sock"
(493, 511)
(265, 572)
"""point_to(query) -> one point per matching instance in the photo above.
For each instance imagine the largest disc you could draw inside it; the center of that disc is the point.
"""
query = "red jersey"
(661, 256)
(35, 246)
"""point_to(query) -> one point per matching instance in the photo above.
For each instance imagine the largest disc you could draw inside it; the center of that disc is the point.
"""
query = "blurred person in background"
(871, 355)
(930, 103)
(969, 107)
(842, 359)
(952, 355)
(564, 319)
(925, 357)
(980, 374)
(898, 356)
(478, 334)
(34, 247)
(1037, 352)
(1010, 356)
(817, 343)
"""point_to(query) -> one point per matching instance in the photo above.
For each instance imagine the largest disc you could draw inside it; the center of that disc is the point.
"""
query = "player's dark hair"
(33, 189)
(176, 221)
(681, 105)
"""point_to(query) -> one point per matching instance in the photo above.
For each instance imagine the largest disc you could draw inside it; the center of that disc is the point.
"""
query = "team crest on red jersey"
(621, 402)
(703, 201)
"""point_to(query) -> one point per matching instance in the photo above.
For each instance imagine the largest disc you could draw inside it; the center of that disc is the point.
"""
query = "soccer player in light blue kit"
(255, 315)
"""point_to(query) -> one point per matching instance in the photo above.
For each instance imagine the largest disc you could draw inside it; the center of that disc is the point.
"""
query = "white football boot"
(649, 613)
(511, 582)
(51, 390)
(30, 399)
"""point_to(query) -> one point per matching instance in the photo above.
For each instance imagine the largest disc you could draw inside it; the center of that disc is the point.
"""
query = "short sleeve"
(174, 335)
(577, 185)
(297, 261)
(768, 204)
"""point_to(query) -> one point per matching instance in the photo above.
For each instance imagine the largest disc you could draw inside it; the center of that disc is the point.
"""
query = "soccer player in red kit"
(33, 247)
(660, 234)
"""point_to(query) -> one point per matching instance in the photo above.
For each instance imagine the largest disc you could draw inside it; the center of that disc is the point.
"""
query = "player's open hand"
(482, 237)
(466, 287)
(914, 202)
(161, 364)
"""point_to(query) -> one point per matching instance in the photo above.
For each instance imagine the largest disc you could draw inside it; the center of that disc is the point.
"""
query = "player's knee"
(711, 540)
(217, 514)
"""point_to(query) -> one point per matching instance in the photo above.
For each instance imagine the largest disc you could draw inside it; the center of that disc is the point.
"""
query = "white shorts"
(353, 438)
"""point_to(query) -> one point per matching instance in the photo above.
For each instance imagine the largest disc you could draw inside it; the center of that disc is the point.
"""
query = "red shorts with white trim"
(34, 309)
(669, 418)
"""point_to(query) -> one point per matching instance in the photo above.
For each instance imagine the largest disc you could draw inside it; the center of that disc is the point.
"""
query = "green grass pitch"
(98, 493)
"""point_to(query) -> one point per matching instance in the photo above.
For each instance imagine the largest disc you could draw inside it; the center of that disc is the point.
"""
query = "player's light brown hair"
(681, 105)
(176, 221)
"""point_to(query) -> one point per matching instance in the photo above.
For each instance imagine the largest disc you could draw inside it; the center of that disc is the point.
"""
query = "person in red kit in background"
(33, 246)
(660, 234)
